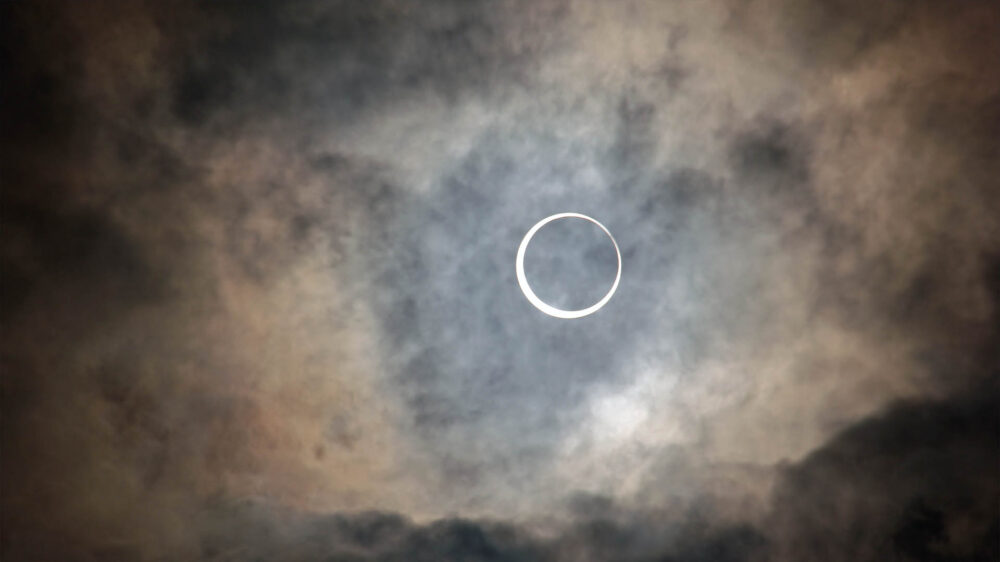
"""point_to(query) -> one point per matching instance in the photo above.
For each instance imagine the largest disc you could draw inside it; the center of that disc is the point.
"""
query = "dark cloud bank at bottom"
(917, 482)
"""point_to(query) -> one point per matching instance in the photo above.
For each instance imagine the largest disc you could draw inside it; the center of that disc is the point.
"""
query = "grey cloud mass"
(259, 299)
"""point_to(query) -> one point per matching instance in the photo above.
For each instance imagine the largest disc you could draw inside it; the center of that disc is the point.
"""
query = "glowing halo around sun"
(539, 303)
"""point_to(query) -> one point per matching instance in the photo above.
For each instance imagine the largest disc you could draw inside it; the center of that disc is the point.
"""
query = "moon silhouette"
(529, 294)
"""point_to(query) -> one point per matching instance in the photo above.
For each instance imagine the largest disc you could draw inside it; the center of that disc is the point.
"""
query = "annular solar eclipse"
(522, 279)
(257, 303)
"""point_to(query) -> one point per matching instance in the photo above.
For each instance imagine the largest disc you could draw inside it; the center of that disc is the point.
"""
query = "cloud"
(259, 299)
(916, 482)
(888, 486)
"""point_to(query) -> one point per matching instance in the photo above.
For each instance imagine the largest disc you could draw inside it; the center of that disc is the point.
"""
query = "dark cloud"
(81, 246)
(363, 55)
(917, 482)
(773, 157)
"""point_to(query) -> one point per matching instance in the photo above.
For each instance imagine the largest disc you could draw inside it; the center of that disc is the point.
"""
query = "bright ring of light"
(533, 298)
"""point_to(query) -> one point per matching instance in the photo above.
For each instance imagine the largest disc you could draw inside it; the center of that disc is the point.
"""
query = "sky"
(259, 301)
